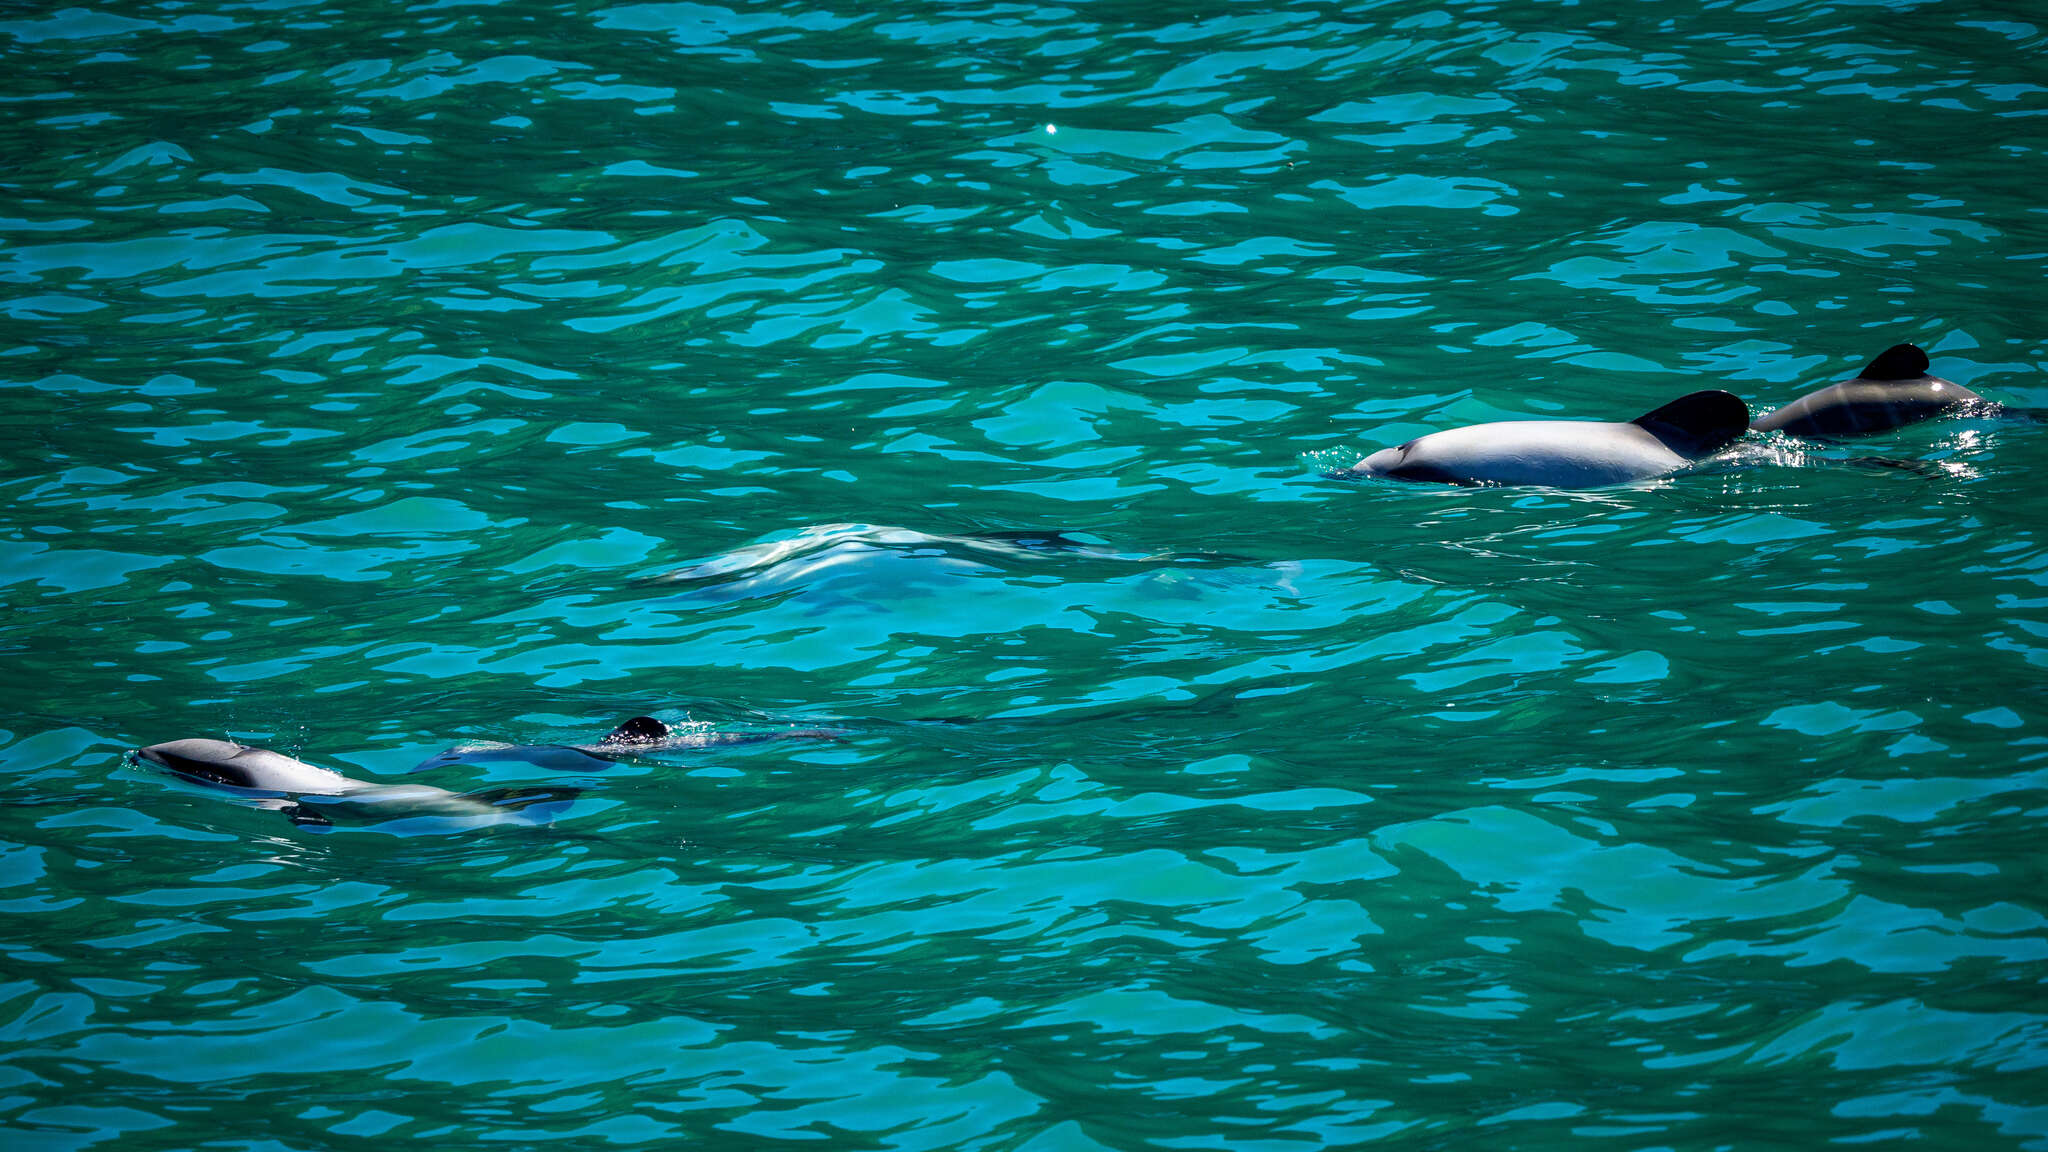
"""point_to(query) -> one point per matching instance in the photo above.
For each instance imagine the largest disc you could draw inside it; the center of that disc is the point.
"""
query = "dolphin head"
(207, 761)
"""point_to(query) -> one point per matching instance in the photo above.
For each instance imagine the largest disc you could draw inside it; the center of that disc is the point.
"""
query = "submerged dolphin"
(1568, 453)
(827, 544)
(307, 794)
(830, 568)
(1893, 391)
(640, 736)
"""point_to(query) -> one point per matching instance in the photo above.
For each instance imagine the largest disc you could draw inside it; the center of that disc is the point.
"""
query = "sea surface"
(959, 380)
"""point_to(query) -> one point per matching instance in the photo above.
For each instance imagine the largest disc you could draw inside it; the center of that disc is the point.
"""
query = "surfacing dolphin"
(861, 568)
(311, 795)
(640, 736)
(1568, 453)
(827, 543)
(1893, 391)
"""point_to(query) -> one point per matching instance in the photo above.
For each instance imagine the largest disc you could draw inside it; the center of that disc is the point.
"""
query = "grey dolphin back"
(1898, 362)
(1698, 423)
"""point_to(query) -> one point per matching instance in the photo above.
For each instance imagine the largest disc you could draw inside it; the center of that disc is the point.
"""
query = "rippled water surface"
(959, 380)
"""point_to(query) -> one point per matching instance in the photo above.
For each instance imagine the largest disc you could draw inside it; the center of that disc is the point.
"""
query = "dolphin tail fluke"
(638, 730)
(1698, 423)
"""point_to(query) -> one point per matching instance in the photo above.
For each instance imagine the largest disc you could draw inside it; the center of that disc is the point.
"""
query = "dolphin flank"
(1892, 391)
(1568, 453)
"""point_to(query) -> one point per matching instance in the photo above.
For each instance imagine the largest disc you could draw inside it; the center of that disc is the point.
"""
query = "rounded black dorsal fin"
(1698, 423)
(1898, 362)
(638, 730)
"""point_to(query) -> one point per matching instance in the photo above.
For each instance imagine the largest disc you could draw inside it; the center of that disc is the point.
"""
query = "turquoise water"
(385, 378)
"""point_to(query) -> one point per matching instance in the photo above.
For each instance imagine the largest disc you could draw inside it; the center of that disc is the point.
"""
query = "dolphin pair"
(310, 795)
(1893, 391)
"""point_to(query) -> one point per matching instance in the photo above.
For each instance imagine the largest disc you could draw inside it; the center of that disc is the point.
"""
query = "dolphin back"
(1698, 423)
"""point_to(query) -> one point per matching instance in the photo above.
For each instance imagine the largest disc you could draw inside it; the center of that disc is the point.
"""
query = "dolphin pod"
(1894, 390)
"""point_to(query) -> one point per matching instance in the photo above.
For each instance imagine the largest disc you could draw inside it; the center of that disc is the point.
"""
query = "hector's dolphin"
(1893, 391)
(311, 795)
(1568, 453)
(640, 736)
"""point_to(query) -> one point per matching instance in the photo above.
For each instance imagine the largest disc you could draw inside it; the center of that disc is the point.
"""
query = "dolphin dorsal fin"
(638, 730)
(1898, 362)
(1698, 423)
